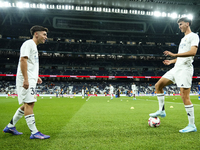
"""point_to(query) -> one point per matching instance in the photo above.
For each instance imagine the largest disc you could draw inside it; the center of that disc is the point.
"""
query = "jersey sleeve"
(195, 40)
(25, 49)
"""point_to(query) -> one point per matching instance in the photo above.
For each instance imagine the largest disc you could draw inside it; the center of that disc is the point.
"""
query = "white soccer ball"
(154, 122)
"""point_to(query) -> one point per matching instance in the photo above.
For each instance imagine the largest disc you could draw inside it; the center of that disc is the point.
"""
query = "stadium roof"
(152, 13)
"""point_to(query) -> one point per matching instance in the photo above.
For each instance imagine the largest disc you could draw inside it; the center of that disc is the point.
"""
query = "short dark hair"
(185, 19)
(37, 28)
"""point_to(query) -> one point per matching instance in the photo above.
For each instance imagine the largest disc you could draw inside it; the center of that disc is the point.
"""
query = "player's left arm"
(39, 80)
(192, 52)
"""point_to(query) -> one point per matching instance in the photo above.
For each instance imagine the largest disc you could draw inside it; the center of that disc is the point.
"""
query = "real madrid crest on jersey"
(185, 39)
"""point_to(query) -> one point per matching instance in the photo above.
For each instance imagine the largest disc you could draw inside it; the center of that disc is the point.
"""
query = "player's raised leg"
(185, 95)
(160, 96)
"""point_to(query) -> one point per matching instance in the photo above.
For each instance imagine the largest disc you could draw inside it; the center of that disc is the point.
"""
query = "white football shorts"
(181, 76)
(26, 96)
(133, 91)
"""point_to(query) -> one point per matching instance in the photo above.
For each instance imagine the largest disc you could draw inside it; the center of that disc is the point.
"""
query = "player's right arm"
(168, 62)
(23, 66)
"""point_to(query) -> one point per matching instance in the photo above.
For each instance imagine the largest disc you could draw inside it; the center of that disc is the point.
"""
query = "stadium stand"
(114, 46)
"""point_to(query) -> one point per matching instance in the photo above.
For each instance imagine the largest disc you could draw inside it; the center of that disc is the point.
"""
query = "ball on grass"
(154, 122)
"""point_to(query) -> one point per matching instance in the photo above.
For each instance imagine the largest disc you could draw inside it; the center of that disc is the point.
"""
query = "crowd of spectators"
(95, 87)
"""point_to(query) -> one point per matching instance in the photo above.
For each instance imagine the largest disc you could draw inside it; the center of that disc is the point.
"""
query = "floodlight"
(67, 7)
(157, 14)
(184, 15)
(135, 11)
(19, 4)
(98, 8)
(1, 4)
(5, 4)
(63, 6)
(77, 7)
(42, 6)
(148, 13)
(174, 15)
(26, 5)
(51, 7)
(95, 9)
(58, 6)
(142, 12)
(164, 14)
(190, 16)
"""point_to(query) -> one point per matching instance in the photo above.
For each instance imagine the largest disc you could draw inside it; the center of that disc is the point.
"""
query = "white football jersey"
(185, 45)
(111, 89)
(29, 49)
(133, 87)
(83, 91)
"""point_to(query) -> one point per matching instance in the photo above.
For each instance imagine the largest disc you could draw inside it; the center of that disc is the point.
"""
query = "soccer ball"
(154, 122)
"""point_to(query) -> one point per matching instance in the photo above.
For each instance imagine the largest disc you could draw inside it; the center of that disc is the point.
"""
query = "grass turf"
(101, 124)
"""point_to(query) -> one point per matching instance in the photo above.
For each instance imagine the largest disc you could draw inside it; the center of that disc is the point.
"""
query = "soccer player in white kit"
(26, 80)
(181, 73)
(83, 92)
(133, 87)
(111, 91)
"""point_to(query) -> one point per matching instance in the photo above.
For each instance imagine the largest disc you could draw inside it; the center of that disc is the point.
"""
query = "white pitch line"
(88, 98)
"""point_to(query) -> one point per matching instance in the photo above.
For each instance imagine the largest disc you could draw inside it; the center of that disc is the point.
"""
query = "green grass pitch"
(101, 124)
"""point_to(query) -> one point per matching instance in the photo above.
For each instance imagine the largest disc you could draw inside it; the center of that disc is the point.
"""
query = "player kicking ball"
(181, 73)
(26, 80)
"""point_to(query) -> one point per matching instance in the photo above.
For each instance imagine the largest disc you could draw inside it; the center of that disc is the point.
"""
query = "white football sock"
(190, 112)
(30, 120)
(18, 115)
(161, 99)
